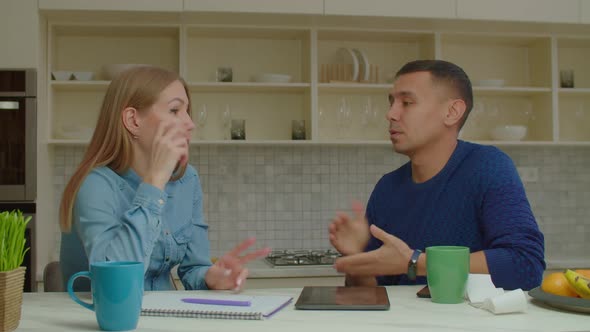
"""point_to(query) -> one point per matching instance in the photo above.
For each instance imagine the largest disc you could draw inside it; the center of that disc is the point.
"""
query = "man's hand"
(350, 236)
(390, 259)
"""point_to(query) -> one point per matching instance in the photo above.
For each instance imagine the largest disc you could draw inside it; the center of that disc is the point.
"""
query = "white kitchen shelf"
(529, 64)
(79, 85)
(574, 91)
(246, 86)
(509, 91)
(344, 142)
(356, 88)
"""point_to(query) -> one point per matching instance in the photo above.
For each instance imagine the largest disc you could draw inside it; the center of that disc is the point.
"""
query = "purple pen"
(237, 303)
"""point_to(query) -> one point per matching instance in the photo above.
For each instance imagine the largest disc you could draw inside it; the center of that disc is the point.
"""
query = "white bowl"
(490, 83)
(62, 75)
(272, 78)
(83, 75)
(508, 133)
(112, 71)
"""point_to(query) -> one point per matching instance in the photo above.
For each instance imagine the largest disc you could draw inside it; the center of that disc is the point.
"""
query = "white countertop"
(261, 269)
(56, 312)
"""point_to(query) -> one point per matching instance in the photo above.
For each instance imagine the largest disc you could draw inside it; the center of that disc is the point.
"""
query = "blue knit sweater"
(477, 200)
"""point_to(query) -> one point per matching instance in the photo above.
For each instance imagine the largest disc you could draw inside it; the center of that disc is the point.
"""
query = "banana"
(579, 283)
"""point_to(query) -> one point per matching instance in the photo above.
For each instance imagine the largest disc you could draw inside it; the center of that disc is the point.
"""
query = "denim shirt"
(120, 218)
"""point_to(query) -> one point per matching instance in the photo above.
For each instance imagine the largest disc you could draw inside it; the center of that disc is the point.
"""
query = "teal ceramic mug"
(447, 269)
(117, 292)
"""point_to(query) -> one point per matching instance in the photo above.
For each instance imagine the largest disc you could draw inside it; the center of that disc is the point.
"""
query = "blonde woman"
(134, 197)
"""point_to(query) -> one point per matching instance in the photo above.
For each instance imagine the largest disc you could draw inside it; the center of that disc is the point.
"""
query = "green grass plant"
(12, 239)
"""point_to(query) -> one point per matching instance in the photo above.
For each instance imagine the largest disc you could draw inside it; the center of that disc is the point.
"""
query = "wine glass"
(367, 113)
(202, 115)
(226, 121)
(344, 117)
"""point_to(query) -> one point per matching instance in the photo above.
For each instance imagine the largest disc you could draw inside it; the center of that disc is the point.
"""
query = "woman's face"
(171, 106)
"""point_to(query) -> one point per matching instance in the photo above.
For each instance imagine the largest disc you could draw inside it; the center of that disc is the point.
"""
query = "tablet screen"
(343, 298)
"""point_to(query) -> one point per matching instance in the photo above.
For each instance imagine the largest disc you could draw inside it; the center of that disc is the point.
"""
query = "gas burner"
(301, 257)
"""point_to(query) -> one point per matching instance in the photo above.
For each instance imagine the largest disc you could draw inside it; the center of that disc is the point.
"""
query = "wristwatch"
(413, 265)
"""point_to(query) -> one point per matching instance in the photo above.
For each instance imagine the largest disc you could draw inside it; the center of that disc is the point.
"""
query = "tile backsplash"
(286, 195)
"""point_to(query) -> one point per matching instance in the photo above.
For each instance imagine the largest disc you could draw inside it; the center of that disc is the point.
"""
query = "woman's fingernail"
(239, 282)
(226, 273)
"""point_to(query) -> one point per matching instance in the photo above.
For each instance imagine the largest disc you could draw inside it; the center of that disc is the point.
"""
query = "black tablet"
(343, 298)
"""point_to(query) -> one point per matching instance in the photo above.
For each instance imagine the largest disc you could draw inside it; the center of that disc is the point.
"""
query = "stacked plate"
(360, 63)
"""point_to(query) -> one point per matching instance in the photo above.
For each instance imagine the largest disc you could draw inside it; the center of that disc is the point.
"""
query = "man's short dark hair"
(447, 73)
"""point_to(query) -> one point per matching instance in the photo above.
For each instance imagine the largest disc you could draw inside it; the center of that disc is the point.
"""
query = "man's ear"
(131, 120)
(455, 112)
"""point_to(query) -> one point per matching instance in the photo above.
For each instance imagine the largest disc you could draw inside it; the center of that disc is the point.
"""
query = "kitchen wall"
(286, 195)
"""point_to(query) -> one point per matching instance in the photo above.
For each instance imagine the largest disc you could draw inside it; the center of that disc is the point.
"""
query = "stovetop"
(301, 257)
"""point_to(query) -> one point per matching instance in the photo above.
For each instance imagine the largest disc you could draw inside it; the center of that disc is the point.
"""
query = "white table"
(56, 312)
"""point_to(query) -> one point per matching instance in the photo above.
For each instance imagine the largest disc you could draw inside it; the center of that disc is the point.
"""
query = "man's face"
(418, 107)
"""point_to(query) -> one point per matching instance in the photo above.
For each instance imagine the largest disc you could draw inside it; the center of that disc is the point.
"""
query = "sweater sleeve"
(513, 243)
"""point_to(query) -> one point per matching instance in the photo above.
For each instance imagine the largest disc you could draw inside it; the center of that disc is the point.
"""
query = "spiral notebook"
(171, 304)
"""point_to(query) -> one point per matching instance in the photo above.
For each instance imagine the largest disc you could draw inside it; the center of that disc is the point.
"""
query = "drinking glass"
(566, 77)
(344, 117)
(202, 115)
(226, 121)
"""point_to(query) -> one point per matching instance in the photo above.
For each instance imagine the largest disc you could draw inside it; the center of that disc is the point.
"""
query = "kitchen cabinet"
(585, 11)
(356, 112)
(19, 34)
(392, 8)
(256, 6)
(515, 79)
(511, 78)
(90, 49)
(574, 103)
(563, 11)
(119, 5)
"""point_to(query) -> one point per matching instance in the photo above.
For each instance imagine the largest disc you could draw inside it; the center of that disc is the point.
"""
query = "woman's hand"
(229, 271)
(169, 149)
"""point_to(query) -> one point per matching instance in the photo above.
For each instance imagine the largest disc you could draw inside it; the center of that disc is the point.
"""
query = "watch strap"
(413, 265)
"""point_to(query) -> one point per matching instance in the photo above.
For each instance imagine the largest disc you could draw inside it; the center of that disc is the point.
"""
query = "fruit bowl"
(508, 133)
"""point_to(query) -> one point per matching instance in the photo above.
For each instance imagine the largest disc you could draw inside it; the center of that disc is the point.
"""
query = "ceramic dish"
(490, 83)
(362, 56)
(270, 77)
(355, 62)
(62, 75)
(561, 302)
(83, 75)
(508, 133)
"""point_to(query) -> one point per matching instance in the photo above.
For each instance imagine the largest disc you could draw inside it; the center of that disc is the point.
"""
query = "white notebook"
(171, 304)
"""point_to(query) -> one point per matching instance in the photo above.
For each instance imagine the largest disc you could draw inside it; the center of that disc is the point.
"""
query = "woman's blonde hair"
(110, 145)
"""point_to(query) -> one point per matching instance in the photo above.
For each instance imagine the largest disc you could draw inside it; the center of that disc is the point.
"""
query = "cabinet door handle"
(9, 105)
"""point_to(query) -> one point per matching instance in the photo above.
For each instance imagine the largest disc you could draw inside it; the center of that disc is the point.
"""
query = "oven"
(18, 134)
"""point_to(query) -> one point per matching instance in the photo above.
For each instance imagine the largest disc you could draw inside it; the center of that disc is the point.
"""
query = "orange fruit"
(556, 283)
(584, 272)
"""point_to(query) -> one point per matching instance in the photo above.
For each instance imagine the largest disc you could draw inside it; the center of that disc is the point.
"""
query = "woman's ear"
(455, 112)
(131, 121)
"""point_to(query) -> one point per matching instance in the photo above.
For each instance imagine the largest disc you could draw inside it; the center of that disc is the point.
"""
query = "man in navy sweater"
(451, 192)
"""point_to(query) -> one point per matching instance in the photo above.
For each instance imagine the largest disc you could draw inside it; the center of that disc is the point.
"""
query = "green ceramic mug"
(447, 268)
